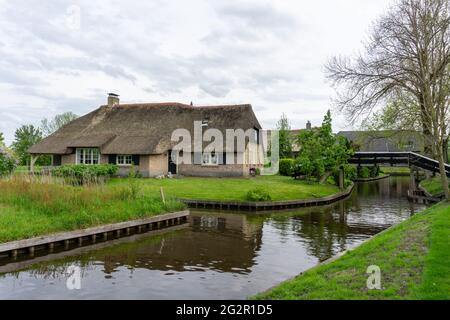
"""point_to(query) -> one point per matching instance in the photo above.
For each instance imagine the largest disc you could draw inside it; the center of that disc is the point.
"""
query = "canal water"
(218, 255)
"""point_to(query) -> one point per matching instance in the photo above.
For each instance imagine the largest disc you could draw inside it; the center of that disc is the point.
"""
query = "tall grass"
(37, 205)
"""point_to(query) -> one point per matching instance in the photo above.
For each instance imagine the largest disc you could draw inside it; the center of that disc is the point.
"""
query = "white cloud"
(267, 53)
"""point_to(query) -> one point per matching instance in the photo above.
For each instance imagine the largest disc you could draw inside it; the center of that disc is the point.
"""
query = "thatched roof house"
(141, 134)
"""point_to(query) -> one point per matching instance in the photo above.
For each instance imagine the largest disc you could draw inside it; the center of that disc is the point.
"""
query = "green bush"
(350, 172)
(7, 164)
(363, 172)
(374, 171)
(286, 167)
(83, 174)
(258, 195)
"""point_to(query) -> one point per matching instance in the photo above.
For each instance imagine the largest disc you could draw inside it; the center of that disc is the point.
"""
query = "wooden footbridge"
(405, 159)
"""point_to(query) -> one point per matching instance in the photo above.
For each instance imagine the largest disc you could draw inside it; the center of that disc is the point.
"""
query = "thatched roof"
(386, 140)
(141, 128)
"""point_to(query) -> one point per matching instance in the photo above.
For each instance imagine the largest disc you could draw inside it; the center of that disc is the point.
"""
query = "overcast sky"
(59, 56)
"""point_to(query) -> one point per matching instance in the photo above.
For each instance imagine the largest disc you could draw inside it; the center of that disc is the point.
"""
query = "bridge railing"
(398, 158)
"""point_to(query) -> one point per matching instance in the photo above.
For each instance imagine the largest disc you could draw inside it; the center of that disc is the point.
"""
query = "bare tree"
(407, 54)
(50, 126)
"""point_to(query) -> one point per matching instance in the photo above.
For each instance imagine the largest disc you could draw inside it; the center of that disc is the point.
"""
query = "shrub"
(363, 172)
(7, 164)
(286, 167)
(258, 171)
(350, 172)
(80, 174)
(134, 173)
(374, 171)
(258, 195)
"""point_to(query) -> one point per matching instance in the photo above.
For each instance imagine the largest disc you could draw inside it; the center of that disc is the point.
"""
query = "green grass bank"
(33, 206)
(433, 186)
(233, 189)
(414, 258)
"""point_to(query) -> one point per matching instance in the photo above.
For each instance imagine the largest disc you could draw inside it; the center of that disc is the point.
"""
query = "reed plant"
(37, 205)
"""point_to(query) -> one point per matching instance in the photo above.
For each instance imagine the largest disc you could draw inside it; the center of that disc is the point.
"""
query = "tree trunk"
(445, 150)
(444, 177)
(427, 136)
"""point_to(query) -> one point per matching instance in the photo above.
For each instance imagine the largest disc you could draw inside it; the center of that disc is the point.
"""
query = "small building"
(294, 133)
(385, 140)
(141, 135)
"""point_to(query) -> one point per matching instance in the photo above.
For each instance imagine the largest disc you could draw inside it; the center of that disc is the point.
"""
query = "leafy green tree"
(24, 138)
(2, 139)
(321, 151)
(284, 131)
(60, 120)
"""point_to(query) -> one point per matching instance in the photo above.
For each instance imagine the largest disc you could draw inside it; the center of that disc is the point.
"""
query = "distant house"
(385, 140)
(293, 134)
(141, 135)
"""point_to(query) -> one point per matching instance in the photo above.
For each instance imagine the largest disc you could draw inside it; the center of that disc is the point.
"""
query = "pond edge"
(267, 205)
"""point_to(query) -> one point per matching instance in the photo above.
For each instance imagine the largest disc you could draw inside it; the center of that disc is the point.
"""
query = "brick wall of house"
(158, 165)
(68, 159)
(228, 170)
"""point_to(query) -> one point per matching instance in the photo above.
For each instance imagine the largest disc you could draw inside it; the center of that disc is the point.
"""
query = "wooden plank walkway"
(25, 261)
(14, 248)
(267, 205)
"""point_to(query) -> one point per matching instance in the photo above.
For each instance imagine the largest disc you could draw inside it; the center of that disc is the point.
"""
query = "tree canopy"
(284, 132)
(49, 126)
(321, 151)
(24, 138)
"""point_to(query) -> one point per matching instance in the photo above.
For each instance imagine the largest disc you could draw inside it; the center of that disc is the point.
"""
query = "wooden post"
(162, 195)
(341, 179)
(412, 181)
(33, 162)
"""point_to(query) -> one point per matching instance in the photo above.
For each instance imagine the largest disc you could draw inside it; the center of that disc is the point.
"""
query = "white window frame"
(86, 156)
(210, 159)
(124, 160)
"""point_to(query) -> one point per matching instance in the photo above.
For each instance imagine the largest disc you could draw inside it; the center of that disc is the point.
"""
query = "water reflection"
(219, 255)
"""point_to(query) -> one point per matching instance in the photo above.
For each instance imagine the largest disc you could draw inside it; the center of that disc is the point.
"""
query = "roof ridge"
(177, 104)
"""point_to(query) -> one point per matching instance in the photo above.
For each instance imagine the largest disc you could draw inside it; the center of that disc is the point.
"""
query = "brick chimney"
(308, 125)
(113, 99)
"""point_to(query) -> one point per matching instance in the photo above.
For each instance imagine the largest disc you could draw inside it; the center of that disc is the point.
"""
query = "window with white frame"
(210, 159)
(124, 160)
(87, 156)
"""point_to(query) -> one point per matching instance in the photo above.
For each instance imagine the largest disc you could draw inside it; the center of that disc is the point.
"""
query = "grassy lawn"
(433, 185)
(30, 207)
(233, 189)
(395, 170)
(414, 258)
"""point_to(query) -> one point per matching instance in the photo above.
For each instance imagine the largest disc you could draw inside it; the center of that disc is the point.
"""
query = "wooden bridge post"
(412, 180)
